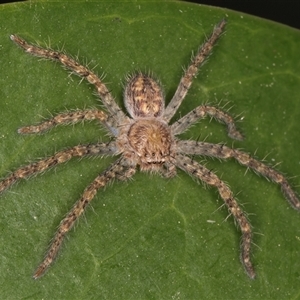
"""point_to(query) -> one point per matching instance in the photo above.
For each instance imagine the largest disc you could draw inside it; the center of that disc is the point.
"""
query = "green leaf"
(149, 238)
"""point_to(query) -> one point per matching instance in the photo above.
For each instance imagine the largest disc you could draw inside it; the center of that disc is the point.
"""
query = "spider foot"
(234, 133)
(39, 271)
(248, 266)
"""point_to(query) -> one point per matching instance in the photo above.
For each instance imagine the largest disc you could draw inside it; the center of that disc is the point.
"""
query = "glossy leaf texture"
(149, 238)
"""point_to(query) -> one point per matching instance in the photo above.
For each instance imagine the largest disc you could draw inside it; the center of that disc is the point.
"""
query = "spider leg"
(195, 169)
(58, 158)
(200, 112)
(71, 118)
(78, 69)
(192, 70)
(224, 152)
(119, 170)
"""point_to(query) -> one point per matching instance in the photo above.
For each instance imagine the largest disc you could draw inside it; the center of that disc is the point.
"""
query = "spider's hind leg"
(223, 152)
(119, 170)
(195, 169)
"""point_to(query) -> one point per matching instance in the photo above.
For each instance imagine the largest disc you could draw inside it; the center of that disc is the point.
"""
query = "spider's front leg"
(195, 169)
(119, 170)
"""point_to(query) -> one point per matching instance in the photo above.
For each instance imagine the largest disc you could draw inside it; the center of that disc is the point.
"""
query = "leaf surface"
(149, 238)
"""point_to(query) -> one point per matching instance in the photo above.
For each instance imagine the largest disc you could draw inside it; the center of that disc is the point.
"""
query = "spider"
(144, 138)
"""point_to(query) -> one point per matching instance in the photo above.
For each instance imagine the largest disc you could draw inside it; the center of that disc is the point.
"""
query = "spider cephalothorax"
(150, 141)
(145, 139)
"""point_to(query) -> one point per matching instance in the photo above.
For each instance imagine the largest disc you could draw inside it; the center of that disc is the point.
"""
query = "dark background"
(286, 12)
(282, 11)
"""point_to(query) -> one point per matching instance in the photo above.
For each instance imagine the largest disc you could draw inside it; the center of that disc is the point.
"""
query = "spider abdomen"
(144, 97)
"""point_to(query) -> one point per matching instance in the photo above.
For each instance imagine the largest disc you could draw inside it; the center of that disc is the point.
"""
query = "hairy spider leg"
(107, 99)
(187, 79)
(67, 118)
(224, 152)
(58, 158)
(119, 170)
(201, 112)
(195, 169)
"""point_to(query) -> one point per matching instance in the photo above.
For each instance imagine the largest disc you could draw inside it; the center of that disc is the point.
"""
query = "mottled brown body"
(148, 140)
(151, 142)
(145, 140)
(144, 97)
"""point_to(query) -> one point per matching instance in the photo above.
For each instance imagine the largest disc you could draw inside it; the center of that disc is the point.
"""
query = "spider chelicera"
(145, 139)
